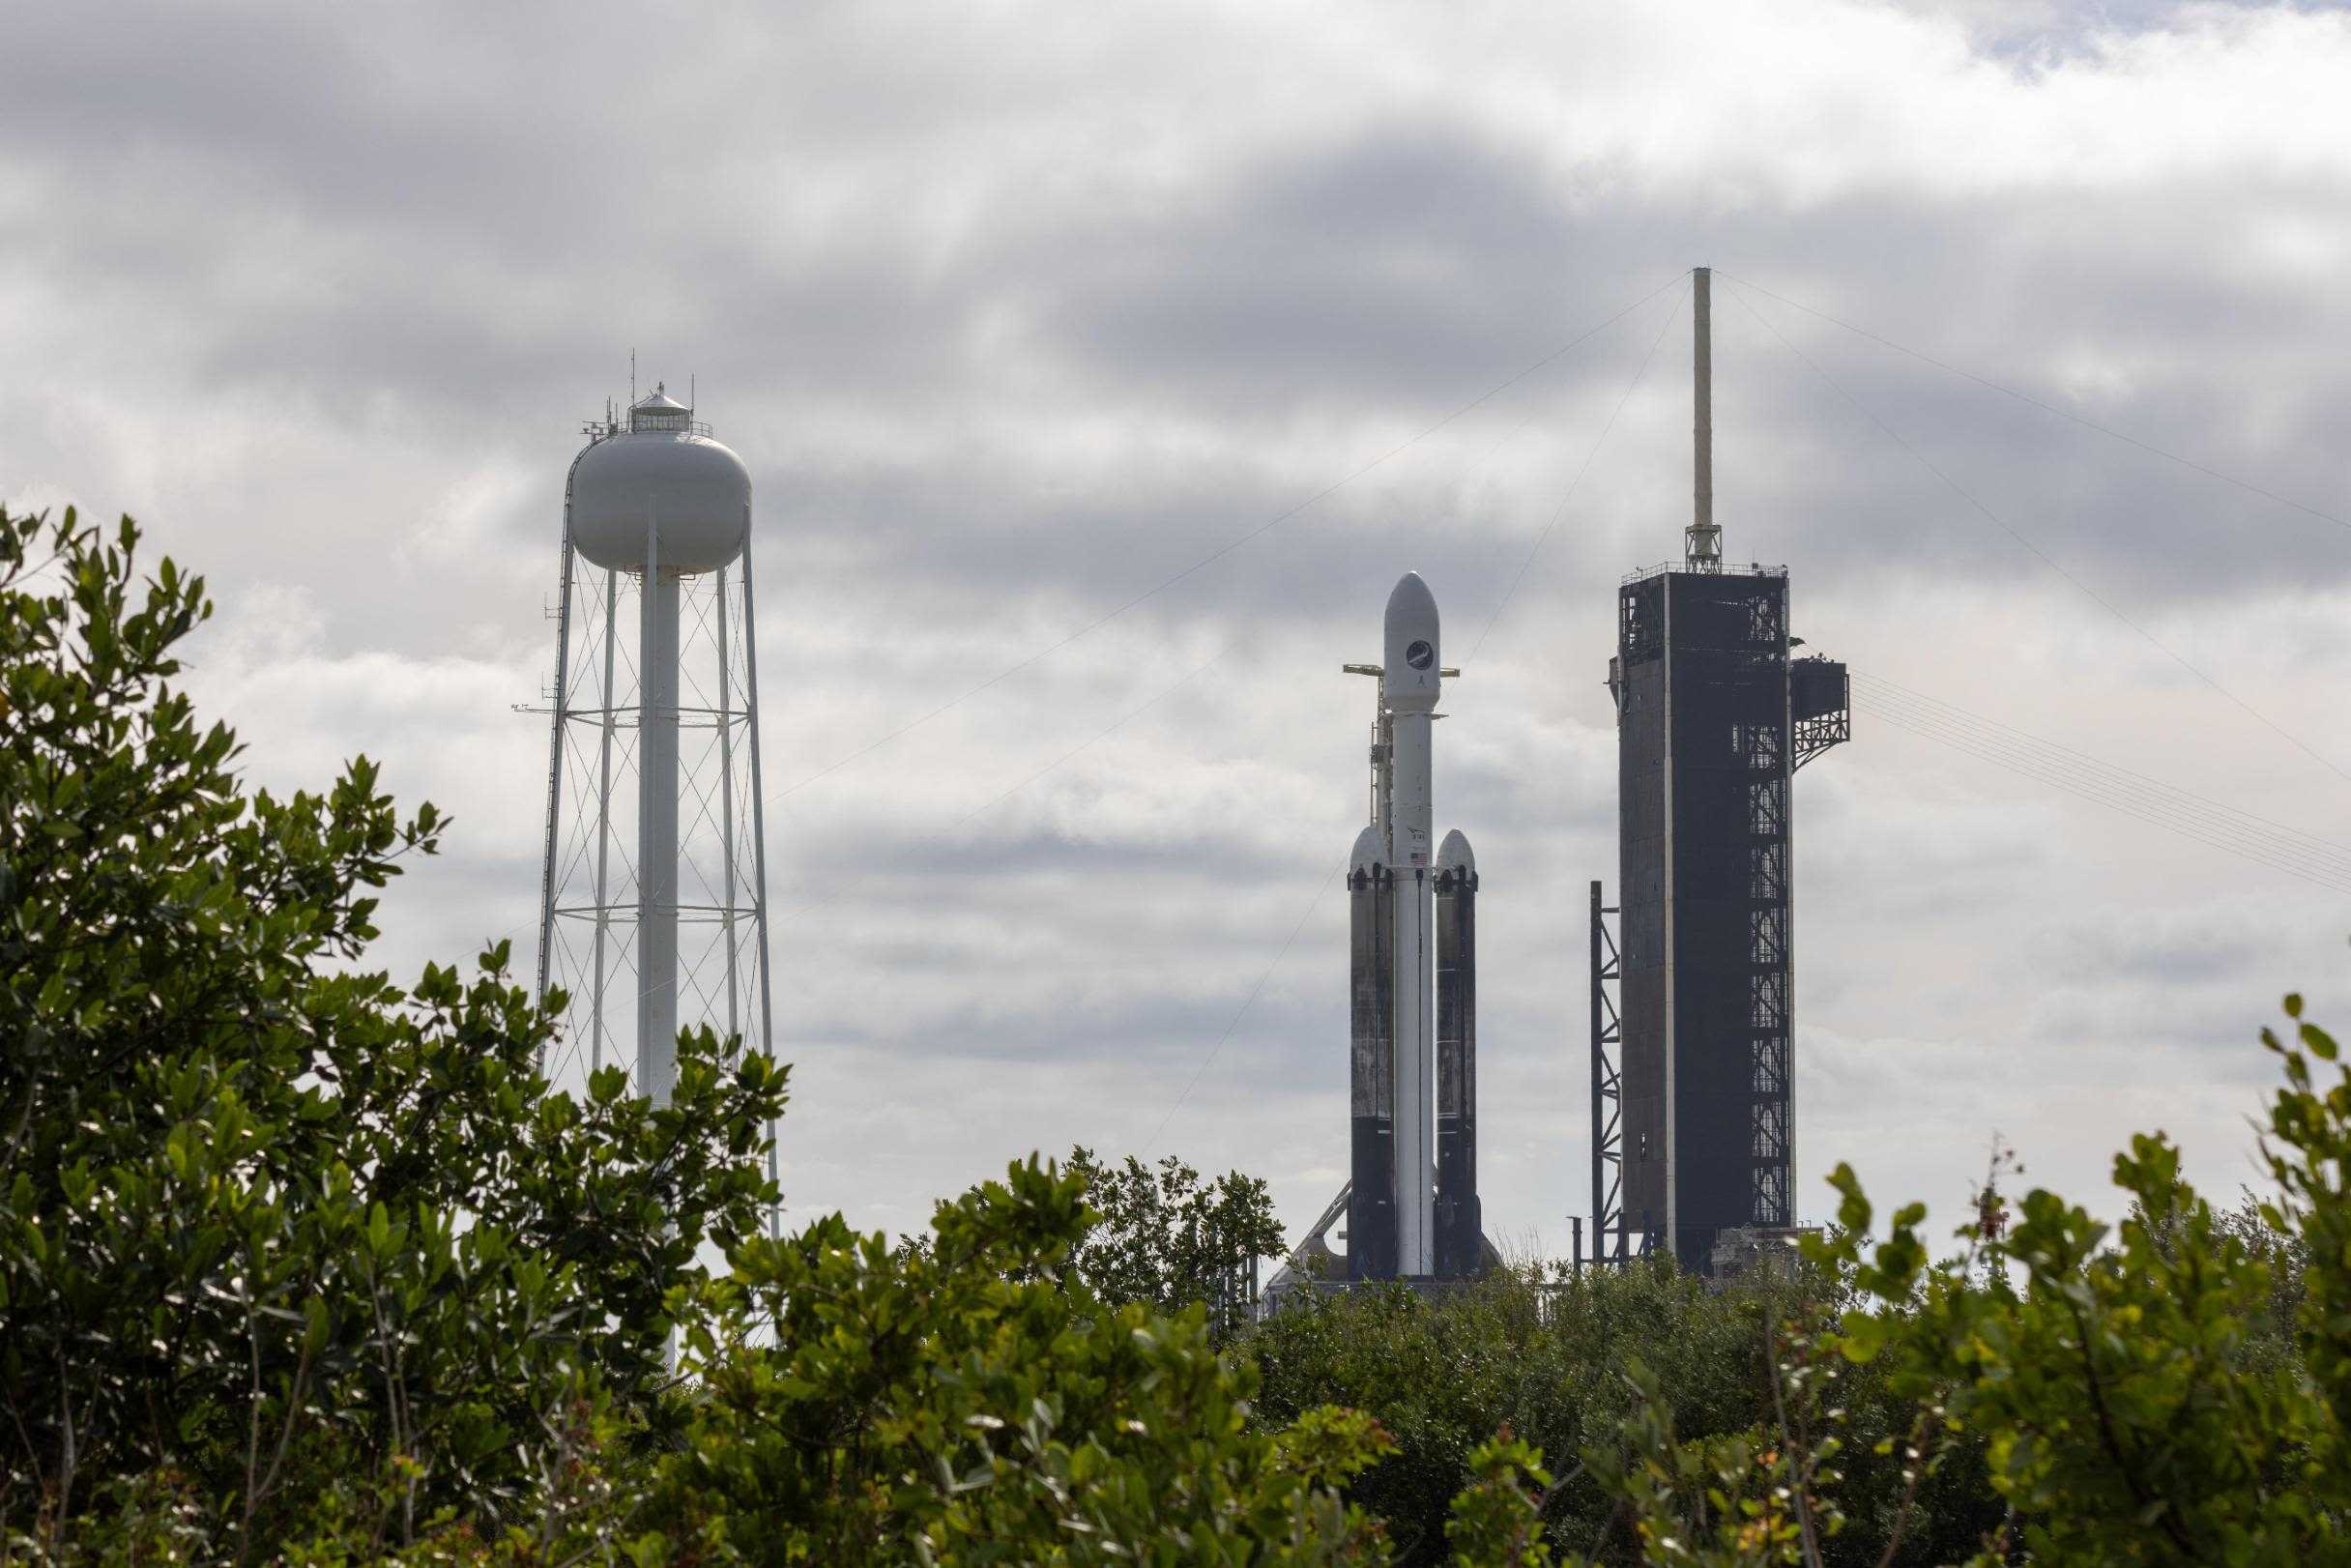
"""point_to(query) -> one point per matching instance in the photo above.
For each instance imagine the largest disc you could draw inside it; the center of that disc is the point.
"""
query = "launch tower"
(1694, 1130)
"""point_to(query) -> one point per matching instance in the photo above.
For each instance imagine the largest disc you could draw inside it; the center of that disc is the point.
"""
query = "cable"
(2326, 847)
(1221, 551)
(2037, 767)
(2045, 407)
(1120, 723)
(2164, 813)
(2021, 762)
(2219, 835)
(2291, 870)
(1577, 483)
(1324, 886)
(1250, 1002)
(809, 906)
(2096, 597)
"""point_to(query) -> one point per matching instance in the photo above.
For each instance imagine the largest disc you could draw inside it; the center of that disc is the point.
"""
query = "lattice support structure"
(593, 904)
(1614, 1239)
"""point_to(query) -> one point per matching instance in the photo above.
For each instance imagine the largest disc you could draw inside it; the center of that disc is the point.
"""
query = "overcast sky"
(1017, 313)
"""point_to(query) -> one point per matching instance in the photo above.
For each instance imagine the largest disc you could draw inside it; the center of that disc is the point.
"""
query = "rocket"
(1413, 1209)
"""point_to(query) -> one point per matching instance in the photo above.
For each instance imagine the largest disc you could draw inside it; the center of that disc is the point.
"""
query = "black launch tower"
(1693, 1117)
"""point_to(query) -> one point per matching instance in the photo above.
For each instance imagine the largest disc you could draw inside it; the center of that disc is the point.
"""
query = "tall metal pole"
(657, 829)
(1702, 354)
(603, 829)
(759, 841)
(1706, 540)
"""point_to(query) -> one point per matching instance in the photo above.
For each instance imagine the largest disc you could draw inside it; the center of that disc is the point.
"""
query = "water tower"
(665, 925)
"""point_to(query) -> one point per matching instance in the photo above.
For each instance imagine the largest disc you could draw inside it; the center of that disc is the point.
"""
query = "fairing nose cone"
(1453, 854)
(1368, 853)
(1411, 681)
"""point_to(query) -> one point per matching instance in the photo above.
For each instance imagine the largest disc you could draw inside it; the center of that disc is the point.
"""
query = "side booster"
(1460, 1221)
(1413, 1209)
(1371, 1208)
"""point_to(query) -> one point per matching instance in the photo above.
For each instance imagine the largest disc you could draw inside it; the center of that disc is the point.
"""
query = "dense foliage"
(1565, 1365)
(277, 1238)
(2138, 1399)
(298, 1264)
(1163, 1237)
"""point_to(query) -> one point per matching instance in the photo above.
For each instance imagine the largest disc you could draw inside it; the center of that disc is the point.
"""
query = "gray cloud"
(1019, 315)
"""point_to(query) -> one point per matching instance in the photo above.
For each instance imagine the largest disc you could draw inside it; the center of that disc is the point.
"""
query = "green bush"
(275, 1234)
(1162, 1238)
(1565, 1365)
(2132, 1387)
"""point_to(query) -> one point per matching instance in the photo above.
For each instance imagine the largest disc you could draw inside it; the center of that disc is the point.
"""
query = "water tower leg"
(726, 803)
(759, 845)
(555, 759)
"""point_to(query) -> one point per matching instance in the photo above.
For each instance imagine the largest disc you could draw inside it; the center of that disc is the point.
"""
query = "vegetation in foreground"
(298, 1264)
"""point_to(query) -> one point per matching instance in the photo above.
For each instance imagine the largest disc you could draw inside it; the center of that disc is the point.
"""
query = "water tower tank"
(665, 472)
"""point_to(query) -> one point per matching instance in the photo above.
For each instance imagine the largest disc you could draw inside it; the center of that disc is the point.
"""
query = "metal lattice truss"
(591, 913)
(1614, 1239)
(1608, 1087)
(1770, 1155)
(1816, 735)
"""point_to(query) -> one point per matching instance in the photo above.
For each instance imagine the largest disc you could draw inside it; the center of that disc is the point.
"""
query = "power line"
(1114, 728)
(2030, 768)
(2086, 423)
(1321, 887)
(810, 906)
(2127, 778)
(2043, 556)
(1221, 551)
(1577, 483)
(1264, 977)
(1324, 886)
(2161, 806)
(1925, 725)
(2299, 872)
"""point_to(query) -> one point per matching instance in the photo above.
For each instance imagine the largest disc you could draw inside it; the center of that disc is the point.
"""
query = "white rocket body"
(1409, 686)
